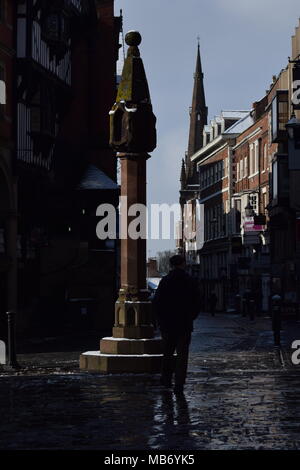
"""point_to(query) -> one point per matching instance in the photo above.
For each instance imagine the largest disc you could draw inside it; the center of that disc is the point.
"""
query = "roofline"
(221, 138)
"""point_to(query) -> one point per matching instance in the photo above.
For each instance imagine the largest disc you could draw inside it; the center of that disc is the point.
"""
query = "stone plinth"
(132, 348)
(95, 361)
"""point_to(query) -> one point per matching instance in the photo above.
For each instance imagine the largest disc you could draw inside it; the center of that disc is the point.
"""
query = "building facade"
(245, 198)
(8, 188)
(283, 102)
(66, 54)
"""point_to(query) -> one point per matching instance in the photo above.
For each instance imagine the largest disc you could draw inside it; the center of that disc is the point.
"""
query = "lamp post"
(12, 356)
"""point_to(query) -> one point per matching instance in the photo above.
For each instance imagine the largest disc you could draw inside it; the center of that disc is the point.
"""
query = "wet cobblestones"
(239, 395)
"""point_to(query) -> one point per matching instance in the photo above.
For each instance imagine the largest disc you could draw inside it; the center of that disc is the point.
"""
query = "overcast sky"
(243, 44)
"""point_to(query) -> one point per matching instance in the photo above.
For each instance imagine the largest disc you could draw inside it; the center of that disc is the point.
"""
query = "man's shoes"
(166, 382)
(178, 390)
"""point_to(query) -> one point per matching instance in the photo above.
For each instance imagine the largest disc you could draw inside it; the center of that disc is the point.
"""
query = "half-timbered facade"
(44, 39)
(60, 114)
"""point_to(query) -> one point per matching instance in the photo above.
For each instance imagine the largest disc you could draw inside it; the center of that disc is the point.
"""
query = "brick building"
(8, 208)
(245, 192)
(284, 195)
(59, 60)
(216, 185)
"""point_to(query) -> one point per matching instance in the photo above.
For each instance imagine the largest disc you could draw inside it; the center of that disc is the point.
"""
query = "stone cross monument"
(132, 348)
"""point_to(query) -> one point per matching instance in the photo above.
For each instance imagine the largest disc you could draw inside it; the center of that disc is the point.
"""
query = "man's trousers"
(180, 343)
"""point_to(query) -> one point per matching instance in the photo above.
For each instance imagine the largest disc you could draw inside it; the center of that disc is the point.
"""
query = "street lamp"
(293, 127)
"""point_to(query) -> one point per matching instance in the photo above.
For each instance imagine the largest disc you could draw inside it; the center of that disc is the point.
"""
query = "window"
(219, 170)
(237, 208)
(275, 180)
(42, 120)
(256, 156)
(204, 178)
(238, 171)
(216, 173)
(246, 166)
(265, 158)
(241, 169)
(280, 175)
(251, 158)
(280, 110)
(42, 112)
(201, 177)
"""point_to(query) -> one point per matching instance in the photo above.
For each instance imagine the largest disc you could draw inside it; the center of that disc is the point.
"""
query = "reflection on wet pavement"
(234, 399)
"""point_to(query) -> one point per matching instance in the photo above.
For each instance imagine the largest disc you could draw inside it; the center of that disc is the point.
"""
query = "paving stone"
(239, 395)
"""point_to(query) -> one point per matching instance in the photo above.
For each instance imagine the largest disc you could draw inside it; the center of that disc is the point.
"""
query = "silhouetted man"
(176, 304)
(213, 300)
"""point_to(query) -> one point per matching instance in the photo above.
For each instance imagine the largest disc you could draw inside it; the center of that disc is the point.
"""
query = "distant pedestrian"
(176, 304)
(212, 302)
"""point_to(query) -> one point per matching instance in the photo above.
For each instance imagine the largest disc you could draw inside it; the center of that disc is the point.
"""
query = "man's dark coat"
(176, 302)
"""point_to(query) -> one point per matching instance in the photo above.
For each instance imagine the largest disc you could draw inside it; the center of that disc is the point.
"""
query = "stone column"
(132, 348)
(133, 311)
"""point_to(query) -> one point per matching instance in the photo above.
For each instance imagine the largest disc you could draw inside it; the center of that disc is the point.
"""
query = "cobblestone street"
(241, 393)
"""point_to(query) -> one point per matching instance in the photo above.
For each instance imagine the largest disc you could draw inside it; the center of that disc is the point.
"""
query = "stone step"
(131, 346)
(96, 361)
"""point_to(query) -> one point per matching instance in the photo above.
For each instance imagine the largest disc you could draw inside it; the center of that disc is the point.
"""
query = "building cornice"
(213, 153)
(219, 140)
(249, 136)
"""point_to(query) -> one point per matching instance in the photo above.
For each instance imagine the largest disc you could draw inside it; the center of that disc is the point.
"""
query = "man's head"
(177, 262)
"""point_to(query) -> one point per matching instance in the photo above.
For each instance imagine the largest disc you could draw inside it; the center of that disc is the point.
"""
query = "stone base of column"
(95, 361)
(133, 332)
(132, 348)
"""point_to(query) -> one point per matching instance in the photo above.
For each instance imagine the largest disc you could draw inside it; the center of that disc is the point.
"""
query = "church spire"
(198, 113)
(183, 175)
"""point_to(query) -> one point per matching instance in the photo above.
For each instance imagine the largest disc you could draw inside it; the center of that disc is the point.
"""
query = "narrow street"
(241, 393)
